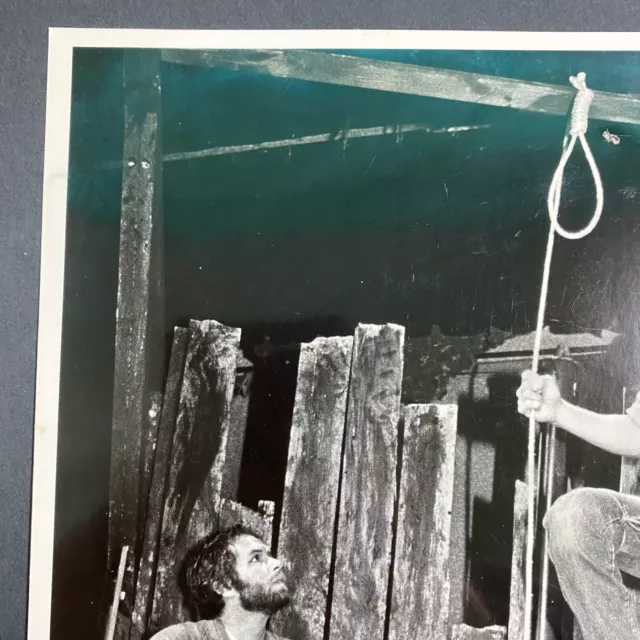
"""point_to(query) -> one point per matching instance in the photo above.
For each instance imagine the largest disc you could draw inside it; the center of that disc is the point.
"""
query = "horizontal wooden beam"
(411, 79)
(344, 136)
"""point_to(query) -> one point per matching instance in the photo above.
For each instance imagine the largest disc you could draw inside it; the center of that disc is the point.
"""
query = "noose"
(577, 130)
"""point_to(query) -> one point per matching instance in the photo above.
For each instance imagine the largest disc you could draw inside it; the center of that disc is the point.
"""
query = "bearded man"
(236, 585)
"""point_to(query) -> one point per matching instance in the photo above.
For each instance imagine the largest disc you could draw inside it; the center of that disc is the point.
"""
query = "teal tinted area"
(447, 179)
(371, 227)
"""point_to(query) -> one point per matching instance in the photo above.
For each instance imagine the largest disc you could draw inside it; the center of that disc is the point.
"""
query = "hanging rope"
(577, 129)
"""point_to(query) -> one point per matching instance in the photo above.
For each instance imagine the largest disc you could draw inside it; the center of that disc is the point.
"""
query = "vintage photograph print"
(339, 337)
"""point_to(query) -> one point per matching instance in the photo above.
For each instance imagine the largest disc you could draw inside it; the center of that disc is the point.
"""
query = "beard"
(265, 598)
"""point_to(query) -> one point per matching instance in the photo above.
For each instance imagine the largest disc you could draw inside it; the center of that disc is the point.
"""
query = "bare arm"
(618, 434)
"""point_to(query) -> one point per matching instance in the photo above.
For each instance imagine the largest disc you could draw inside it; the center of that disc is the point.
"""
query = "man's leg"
(594, 535)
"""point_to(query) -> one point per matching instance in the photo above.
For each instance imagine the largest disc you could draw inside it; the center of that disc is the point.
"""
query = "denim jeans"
(594, 544)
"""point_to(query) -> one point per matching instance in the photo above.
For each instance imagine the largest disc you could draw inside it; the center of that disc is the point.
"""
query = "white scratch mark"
(446, 190)
(371, 163)
(345, 135)
(459, 129)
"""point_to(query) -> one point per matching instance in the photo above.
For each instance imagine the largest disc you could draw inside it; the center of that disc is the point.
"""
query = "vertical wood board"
(517, 591)
(368, 485)
(194, 482)
(139, 324)
(630, 476)
(149, 554)
(307, 525)
(421, 589)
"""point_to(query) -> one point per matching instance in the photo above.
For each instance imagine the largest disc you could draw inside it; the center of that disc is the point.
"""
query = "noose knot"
(582, 103)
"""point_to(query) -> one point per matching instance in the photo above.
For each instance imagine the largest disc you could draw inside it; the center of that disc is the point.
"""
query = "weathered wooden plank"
(232, 513)
(421, 589)
(150, 444)
(267, 509)
(368, 486)
(517, 592)
(630, 476)
(117, 590)
(139, 356)
(192, 493)
(310, 501)
(344, 135)
(149, 554)
(629, 467)
(465, 632)
(411, 79)
(237, 432)
(125, 621)
(138, 362)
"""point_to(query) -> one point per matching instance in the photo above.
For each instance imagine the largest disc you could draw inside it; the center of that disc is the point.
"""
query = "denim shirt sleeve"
(634, 410)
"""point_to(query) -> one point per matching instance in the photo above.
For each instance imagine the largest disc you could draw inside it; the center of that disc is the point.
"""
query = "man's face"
(261, 582)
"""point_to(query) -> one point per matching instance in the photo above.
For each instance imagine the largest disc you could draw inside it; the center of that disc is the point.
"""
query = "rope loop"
(578, 127)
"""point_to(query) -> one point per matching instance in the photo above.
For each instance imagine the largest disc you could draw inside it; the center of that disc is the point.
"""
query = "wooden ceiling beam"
(411, 79)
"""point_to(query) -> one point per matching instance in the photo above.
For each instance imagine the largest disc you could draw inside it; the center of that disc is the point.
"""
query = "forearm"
(617, 434)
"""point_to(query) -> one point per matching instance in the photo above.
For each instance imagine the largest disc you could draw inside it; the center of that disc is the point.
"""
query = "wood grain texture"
(310, 501)
(149, 554)
(267, 510)
(139, 353)
(232, 513)
(421, 588)
(465, 632)
(517, 592)
(630, 476)
(150, 444)
(368, 484)
(236, 436)
(194, 482)
(139, 356)
(126, 618)
(410, 79)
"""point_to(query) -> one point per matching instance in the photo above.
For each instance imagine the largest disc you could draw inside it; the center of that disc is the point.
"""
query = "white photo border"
(62, 42)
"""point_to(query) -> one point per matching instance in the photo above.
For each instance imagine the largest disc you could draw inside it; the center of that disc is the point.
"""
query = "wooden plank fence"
(366, 511)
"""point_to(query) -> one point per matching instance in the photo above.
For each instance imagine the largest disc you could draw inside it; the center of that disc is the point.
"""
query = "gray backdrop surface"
(23, 38)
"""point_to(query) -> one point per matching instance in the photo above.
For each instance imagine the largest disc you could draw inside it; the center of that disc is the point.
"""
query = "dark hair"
(210, 565)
